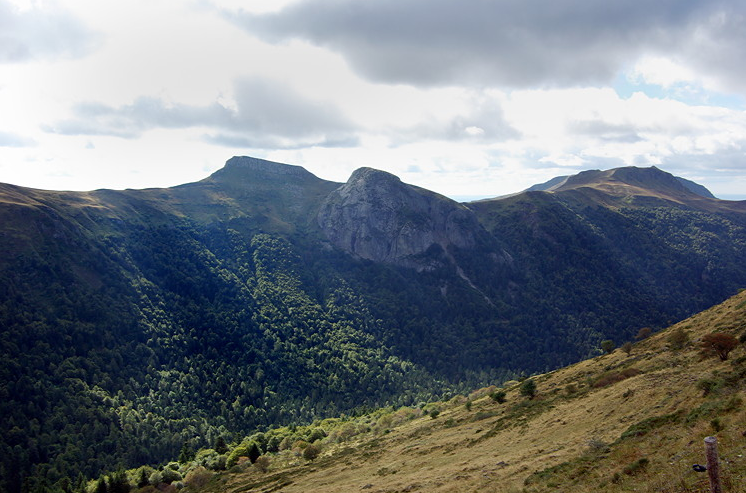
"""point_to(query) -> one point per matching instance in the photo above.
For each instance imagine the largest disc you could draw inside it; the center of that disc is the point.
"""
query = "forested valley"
(140, 322)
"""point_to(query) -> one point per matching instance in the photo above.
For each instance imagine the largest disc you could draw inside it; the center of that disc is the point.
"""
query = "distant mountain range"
(136, 321)
(560, 183)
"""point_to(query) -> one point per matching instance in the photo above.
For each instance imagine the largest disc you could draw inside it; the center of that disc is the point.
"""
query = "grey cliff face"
(377, 217)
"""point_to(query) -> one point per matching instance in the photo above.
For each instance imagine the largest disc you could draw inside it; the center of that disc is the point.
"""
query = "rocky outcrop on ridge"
(377, 217)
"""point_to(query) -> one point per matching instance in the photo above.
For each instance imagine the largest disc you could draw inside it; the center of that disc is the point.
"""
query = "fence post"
(713, 465)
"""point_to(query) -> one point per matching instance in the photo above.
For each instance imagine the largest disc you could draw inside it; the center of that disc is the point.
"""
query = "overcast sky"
(469, 98)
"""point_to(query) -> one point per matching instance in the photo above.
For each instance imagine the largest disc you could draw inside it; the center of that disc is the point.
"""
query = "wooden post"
(713, 465)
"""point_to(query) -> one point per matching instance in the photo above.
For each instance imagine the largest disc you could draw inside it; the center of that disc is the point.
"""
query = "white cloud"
(29, 32)
(661, 71)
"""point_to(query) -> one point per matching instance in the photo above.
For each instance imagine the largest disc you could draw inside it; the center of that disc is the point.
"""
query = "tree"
(142, 480)
(220, 445)
(118, 482)
(101, 485)
(186, 454)
(719, 343)
(643, 333)
(627, 347)
(608, 346)
(528, 388)
(254, 452)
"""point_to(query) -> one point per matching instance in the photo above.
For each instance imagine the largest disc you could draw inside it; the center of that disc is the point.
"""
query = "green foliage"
(678, 339)
(608, 346)
(186, 454)
(144, 320)
(118, 482)
(254, 452)
(713, 408)
(638, 466)
(647, 425)
(167, 475)
(528, 388)
(499, 396)
(709, 385)
(220, 445)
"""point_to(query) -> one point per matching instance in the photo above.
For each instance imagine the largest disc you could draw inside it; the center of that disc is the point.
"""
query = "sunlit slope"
(588, 429)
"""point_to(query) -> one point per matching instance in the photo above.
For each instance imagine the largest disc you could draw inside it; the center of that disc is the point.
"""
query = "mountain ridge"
(137, 320)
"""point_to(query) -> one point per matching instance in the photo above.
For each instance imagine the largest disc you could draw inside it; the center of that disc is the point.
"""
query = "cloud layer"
(465, 97)
(41, 34)
(265, 115)
(511, 43)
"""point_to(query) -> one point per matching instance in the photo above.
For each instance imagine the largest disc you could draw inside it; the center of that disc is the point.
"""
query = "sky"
(468, 98)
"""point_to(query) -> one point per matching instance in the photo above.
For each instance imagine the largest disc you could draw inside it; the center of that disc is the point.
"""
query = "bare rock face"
(377, 217)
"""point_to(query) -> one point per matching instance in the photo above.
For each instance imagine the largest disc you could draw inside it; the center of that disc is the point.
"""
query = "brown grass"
(558, 441)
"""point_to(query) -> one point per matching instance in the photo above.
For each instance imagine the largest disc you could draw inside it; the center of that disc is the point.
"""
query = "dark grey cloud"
(10, 139)
(266, 114)
(36, 33)
(509, 42)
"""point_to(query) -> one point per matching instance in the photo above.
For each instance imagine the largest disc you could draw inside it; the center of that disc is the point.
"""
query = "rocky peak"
(377, 217)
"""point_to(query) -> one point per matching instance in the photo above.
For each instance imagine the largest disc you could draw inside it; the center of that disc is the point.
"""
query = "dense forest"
(136, 322)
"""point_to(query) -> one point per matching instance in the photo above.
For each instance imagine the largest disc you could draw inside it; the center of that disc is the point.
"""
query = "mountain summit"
(377, 217)
(635, 185)
(134, 322)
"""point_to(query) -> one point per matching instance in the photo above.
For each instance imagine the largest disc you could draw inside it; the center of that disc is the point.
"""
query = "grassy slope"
(558, 441)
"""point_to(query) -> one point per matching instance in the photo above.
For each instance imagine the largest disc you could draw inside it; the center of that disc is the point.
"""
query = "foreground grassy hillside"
(619, 422)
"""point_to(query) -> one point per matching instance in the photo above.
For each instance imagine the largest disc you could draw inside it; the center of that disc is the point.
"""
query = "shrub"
(262, 463)
(643, 333)
(647, 425)
(245, 449)
(637, 466)
(311, 452)
(198, 477)
(167, 475)
(718, 343)
(678, 339)
(499, 396)
(528, 388)
(434, 413)
(708, 385)
(316, 434)
(627, 347)
(716, 425)
(468, 405)
(609, 378)
(607, 346)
